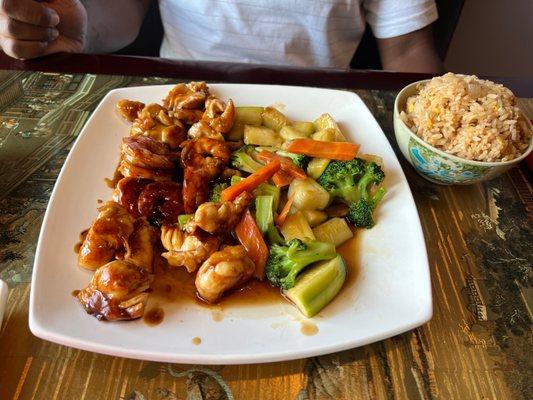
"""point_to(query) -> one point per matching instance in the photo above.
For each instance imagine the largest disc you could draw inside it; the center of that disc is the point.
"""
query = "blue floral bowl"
(437, 166)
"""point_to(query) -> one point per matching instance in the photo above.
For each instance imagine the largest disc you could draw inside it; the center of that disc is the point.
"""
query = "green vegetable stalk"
(264, 216)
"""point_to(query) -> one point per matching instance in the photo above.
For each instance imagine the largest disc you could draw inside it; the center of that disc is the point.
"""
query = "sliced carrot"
(249, 183)
(282, 178)
(287, 165)
(280, 220)
(251, 238)
(332, 150)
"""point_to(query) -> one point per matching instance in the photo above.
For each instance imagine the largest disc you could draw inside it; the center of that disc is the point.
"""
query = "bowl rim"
(452, 156)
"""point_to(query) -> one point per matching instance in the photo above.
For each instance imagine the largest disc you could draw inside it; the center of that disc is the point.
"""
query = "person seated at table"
(302, 34)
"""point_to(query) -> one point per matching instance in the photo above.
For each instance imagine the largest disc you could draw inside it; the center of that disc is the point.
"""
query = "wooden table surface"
(479, 240)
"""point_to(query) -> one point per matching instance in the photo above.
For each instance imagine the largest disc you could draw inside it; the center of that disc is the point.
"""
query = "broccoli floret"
(360, 212)
(340, 179)
(300, 160)
(352, 181)
(373, 175)
(243, 159)
(286, 262)
(216, 189)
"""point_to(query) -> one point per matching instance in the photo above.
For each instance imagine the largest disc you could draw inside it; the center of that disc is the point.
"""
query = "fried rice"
(468, 117)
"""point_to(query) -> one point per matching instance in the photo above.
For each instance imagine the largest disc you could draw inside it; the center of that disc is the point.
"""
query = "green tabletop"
(479, 240)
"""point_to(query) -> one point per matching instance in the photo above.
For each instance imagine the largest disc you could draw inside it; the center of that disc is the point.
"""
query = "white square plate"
(392, 293)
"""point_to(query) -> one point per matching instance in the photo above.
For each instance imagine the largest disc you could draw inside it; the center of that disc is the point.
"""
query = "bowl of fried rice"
(459, 129)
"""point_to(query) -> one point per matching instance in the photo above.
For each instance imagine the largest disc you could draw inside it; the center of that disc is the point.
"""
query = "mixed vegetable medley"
(324, 188)
(230, 194)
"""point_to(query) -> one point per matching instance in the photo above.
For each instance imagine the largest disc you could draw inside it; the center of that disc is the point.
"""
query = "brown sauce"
(196, 341)
(217, 315)
(308, 328)
(154, 317)
(254, 293)
(176, 285)
(75, 293)
(83, 235)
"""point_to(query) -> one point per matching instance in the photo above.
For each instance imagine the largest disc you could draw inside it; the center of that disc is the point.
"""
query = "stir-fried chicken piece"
(117, 292)
(154, 121)
(129, 109)
(219, 218)
(198, 86)
(218, 115)
(202, 129)
(226, 269)
(141, 245)
(108, 235)
(187, 96)
(195, 249)
(188, 117)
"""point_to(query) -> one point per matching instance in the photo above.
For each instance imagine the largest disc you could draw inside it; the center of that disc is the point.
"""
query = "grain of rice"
(468, 117)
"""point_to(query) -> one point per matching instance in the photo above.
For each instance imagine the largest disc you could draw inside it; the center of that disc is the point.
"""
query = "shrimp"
(203, 159)
(129, 109)
(108, 235)
(127, 193)
(161, 202)
(145, 152)
(172, 237)
(132, 171)
(218, 218)
(226, 269)
(218, 115)
(117, 292)
(195, 249)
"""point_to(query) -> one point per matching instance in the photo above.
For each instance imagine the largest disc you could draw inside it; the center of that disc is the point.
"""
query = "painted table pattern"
(479, 239)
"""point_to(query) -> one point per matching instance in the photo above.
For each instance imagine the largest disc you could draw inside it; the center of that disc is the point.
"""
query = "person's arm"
(31, 28)
(412, 52)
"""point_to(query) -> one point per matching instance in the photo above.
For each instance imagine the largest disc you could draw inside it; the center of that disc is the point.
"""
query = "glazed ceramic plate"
(390, 295)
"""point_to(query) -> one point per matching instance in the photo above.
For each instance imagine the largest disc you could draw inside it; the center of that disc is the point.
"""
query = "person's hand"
(30, 29)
